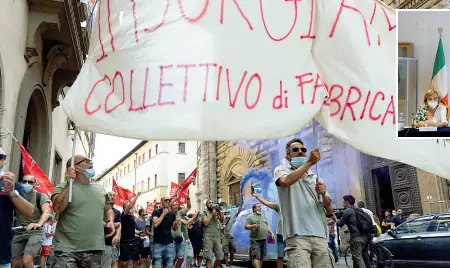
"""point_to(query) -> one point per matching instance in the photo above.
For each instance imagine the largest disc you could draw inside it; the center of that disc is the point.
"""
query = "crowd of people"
(90, 232)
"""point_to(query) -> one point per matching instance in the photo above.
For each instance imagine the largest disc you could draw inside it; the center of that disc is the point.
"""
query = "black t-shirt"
(162, 233)
(6, 217)
(108, 241)
(128, 227)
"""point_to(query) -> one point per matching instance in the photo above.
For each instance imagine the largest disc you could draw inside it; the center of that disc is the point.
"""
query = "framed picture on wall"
(405, 50)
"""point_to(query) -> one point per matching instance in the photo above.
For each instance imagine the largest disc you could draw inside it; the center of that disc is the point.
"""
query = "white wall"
(13, 30)
(421, 28)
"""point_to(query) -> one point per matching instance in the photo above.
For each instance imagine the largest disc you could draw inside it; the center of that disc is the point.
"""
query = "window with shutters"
(235, 194)
(181, 148)
(156, 180)
(181, 177)
(156, 149)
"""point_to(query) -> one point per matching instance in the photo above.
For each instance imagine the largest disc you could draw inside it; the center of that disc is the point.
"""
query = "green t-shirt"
(23, 221)
(278, 210)
(212, 230)
(228, 225)
(80, 225)
(184, 228)
(261, 233)
(179, 231)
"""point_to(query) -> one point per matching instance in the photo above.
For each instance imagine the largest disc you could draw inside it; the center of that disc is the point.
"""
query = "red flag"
(176, 191)
(150, 208)
(122, 194)
(183, 188)
(29, 166)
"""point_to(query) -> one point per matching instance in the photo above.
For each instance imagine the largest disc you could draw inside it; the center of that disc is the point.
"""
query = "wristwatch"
(13, 194)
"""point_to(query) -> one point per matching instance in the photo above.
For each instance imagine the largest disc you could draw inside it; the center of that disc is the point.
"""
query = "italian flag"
(439, 78)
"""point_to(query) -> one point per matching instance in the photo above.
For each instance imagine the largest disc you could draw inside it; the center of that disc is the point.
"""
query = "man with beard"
(164, 220)
(142, 240)
(128, 248)
(303, 212)
(211, 233)
(27, 244)
(257, 224)
(110, 257)
(10, 199)
(80, 238)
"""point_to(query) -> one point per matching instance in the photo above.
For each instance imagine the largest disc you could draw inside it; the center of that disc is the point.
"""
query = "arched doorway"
(32, 123)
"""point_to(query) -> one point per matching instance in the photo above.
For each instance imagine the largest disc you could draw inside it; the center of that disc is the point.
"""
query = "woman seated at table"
(433, 114)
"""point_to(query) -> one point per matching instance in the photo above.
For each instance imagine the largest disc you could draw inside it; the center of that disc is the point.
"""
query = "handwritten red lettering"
(311, 17)
(117, 74)
(301, 83)
(133, 7)
(162, 85)
(222, 6)
(104, 55)
(133, 109)
(86, 103)
(341, 8)
(316, 86)
(390, 110)
(335, 99)
(157, 26)
(250, 107)
(365, 106)
(207, 65)
(265, 23)
(375, 118)
(349, 104)
(233, 102)
(279, 98)
(186, 68)
(145, 91)
(199, 17)
(109, 26)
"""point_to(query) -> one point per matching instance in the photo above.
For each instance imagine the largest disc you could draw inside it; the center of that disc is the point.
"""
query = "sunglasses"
(167, 200)
(296, 149)
(84, 160)
(2, 157)
(27, 182)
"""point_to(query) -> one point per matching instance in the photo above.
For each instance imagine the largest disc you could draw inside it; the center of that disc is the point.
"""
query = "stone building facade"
(42, 49)
(416, 4)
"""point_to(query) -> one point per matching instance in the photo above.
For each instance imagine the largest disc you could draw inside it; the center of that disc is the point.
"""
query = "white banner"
(245, 69)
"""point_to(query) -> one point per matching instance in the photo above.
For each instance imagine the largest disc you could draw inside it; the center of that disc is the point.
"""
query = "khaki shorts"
(212, 245)
(228, 245)
(310, 251)
(29, 244)
(110, 256)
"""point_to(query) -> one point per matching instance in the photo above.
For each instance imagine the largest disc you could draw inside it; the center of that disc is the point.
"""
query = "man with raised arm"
(128, 248)
(10, 199)
(80, 238)
(110, 256)
(303, 217)
(163, 221)
(211, 218)
(280, 241)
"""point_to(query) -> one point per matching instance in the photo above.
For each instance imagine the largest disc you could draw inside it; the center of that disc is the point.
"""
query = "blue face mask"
(27, 187)
(89, 173)
(2, 171)
(298, 161)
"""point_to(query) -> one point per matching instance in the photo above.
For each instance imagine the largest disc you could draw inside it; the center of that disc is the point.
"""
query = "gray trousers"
(359, 246)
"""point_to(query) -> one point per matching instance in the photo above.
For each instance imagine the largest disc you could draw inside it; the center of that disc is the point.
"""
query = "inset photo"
(422, 96)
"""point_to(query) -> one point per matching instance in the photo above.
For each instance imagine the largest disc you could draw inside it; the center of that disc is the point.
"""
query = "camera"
(338, 212)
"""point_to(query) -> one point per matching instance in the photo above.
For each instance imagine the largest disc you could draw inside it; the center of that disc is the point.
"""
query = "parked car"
(420, 242)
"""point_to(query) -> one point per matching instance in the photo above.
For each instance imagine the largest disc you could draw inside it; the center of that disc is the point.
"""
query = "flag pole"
(72, 161)
(315, 146)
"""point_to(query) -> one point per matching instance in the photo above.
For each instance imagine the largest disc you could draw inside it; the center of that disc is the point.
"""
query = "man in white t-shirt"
(48, 233)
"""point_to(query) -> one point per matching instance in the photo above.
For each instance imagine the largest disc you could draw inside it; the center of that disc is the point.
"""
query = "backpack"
(363, 221)
(38, 202)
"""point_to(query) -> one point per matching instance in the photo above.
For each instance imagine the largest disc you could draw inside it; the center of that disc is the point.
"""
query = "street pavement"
(270, 265)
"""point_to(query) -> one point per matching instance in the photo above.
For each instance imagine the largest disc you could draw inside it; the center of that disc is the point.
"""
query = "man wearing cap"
(10, 199)
(80, 239)
(211, 219)
(164, 221)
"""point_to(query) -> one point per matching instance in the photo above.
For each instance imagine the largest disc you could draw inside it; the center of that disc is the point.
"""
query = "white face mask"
(432, 104)
(258, 212)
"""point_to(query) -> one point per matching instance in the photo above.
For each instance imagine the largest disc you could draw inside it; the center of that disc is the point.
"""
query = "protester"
(196, 236)
(149, 230)
(26, 244)
(128, 249)
(48, 234)
(189, 252)
(257, 223)
(110, 257)
(303, 217)
(228, 245)
(280, 241)
(11, 197)
(331, 222)
(358, 240)
(186, 244)
(164, 221)
(362, 206)
(387, 220)
(142, 241)
(212, 244)
(177, 236)
(398, 219)
(79, 240)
